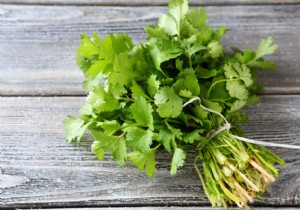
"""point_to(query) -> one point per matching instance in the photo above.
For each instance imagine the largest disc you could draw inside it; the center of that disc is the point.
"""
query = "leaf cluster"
(137, 91)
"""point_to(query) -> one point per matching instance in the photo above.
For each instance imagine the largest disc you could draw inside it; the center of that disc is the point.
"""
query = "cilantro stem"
(213, 84)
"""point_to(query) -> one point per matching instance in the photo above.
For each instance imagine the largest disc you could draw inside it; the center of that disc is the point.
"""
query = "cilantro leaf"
(101, 100)
(168, 24)
(123, 72)
(162, 50)
(197, 17)
(142, 112)
(168, 102)
(74, 128)
(236, 71)
(110, 127)
(88, 47)
(138, 91)
(153, 85)
(215, 50)
(171, 22)
(239, 78)
(265, 47)
(144, 161)
(139, 139)
(177, 160)
(165, 136)
(113, 144)
(187, 80)
(237, 105)
(191, 137)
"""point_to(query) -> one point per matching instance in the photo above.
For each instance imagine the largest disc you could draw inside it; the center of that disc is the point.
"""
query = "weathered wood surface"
(146, 2)
(45, 171)
(38, 42)
(173, 208)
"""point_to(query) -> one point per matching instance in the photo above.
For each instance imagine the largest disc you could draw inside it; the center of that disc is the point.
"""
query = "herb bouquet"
(179, 92)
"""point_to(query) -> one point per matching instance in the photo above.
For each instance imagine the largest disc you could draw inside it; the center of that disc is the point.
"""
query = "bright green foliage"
(110, 143)
(101, 100)
(75, 128)
(266, 47)
(168, 102)
(142, 112)
(144, 161)
(137, 91)
(153, 85)
(177, 160)
(139, 139)
(239, 79)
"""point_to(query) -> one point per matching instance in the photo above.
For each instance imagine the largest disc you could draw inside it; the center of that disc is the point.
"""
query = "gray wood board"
(39, 169)
(175, 208)
(146, 2)
(38, 43)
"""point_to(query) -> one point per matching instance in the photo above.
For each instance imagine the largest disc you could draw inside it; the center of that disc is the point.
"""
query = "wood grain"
(145, 2)
(38, 42)
(65, 175)
(175, 208)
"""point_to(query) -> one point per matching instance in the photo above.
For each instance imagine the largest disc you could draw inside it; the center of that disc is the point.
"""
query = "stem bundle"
(235, 171)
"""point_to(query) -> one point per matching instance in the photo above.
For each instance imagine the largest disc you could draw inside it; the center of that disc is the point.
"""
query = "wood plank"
(175, 208)
(146, 2)
(38, 43)
(45, 171)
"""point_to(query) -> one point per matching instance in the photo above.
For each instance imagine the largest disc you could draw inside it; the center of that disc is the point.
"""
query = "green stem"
(202, 181)
(216, 82)
(213, 84)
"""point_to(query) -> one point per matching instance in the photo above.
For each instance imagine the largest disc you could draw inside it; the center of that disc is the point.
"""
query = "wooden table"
(40, 84)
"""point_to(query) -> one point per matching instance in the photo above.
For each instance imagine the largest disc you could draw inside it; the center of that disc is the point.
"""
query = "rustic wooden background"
(40, 84)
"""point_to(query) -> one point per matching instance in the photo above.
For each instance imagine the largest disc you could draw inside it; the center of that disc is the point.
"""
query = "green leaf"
(114, 44)
(178, 9)
(165, 136)
(144, 161)
(110, 127)
(142, 112)
(82, 62)
(88, 47)
(171, 22)
(123, 72)
(239, 79)
(101, 100)
(74, 128)
(113, 144)
(93, 81)
(168, 24)
(97, 67)
(215, 50)
(197, 17)
(205, 73)
(138, 91)
(213, 105)
(187, 80)
(168, 102)
(139, 139)
(219, 33)
(191, 137)
(185, 93)
(177, 160)
(162, 50)
(237, 89)
(237, 105)
(153, 85)
(245, 57)
(265, 47)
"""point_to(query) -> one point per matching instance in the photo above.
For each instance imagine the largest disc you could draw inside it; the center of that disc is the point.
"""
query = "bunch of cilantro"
(136, 96)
